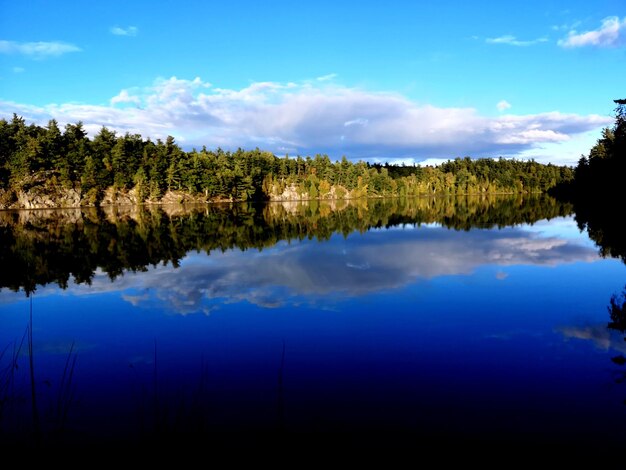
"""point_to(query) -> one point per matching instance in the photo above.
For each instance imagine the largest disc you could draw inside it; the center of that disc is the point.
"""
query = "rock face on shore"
(41, 197)
(39, 191)
(42, 191)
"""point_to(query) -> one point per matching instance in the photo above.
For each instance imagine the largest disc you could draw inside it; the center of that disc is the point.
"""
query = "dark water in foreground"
(406, 321)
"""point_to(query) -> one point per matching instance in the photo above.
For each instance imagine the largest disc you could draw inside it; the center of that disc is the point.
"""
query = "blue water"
(421, 329)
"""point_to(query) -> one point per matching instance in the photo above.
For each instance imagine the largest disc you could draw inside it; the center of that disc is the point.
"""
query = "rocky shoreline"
(38, 192)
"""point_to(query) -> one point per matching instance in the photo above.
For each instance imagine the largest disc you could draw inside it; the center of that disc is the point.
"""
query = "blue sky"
(389, 81)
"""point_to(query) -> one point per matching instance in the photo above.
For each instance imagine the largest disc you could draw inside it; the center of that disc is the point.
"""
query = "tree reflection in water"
(52, 246)
(617, 313)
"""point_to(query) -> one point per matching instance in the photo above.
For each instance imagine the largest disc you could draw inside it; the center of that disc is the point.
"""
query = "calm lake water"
(473, 320)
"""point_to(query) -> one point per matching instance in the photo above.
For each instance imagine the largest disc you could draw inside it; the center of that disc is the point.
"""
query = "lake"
(473, 320)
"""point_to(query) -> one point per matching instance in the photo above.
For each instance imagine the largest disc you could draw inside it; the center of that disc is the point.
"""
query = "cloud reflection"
(288, 274)
(601, 336)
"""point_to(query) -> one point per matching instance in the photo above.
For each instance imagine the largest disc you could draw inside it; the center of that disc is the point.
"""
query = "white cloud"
(565, 27)
(18, 69)
(37, 50)
(125, 97)
(565, 152)
(610, 33)
(502, 105)
(315, 117)
(356, 122)
(325, 78)
(513, 41)
(129, 31)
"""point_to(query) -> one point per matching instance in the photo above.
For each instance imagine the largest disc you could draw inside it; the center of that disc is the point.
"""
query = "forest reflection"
(40, 247)
(608, 232)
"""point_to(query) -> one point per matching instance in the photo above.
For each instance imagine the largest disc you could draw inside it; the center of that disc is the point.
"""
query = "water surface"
(473, 320)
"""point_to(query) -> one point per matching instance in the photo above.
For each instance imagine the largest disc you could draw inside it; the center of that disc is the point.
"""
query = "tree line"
(51, 157)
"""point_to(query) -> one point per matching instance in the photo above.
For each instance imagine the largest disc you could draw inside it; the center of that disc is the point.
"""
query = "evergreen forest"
(97, 170)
